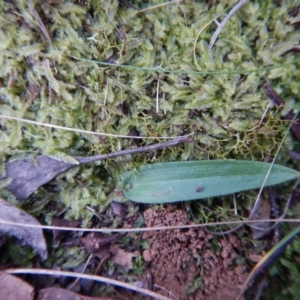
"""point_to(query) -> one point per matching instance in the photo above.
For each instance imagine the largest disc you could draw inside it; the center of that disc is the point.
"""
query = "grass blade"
(270, 258)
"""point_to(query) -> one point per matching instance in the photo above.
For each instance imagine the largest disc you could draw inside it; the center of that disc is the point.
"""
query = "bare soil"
(191, 263)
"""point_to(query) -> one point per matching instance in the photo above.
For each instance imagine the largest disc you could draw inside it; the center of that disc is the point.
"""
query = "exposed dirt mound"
(190, 263)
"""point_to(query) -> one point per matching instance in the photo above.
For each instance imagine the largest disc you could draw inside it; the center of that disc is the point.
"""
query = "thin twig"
(226, 19)
(89, 159)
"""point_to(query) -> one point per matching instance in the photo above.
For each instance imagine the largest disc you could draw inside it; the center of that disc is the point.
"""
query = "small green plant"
(196, 284)
(138, 265)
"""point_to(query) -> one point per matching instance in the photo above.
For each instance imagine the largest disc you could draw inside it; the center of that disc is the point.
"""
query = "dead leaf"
(118, 209)
(31, 236)
(28, 174)
(94, 241)
(121, 257)
(255, 257)
(13, 288)
(262, 211)
(58, 234)
(62, 294)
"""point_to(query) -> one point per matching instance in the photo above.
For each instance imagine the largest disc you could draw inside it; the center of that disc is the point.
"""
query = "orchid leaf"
(191, 180)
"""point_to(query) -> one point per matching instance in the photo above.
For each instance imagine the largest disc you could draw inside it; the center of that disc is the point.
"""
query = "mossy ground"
(179, 87)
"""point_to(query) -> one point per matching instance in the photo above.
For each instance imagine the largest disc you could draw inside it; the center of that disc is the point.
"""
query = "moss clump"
(42, 81)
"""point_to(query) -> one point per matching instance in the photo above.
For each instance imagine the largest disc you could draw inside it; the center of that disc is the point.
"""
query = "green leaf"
(191, 180)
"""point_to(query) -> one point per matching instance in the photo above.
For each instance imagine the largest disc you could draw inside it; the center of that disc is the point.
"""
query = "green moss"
(222, 109)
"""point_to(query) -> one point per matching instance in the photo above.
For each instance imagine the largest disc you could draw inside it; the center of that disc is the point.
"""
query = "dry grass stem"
(159, 5)
(89, 277)
(226, 19)
(144, 229)
(92, 132)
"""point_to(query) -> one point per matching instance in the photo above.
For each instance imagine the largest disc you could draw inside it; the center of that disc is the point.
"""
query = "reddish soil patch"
(190, 263)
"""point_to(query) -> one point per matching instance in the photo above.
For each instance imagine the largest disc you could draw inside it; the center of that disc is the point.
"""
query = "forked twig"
(154, 147)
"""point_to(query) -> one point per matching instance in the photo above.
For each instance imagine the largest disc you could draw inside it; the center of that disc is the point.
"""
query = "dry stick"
(86, 160)
(90, 277)
(226, 19)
